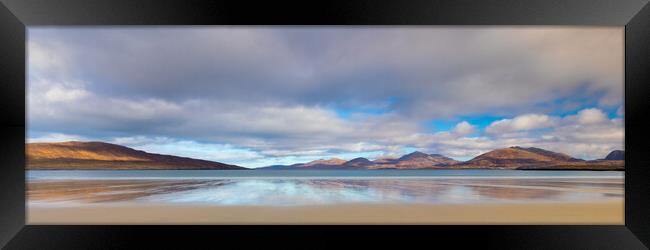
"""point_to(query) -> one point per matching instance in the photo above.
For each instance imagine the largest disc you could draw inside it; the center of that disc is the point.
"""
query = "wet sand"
(448, 200)
(610, 212)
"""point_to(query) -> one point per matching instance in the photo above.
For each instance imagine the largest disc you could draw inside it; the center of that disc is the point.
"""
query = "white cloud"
(56, 137)
(464, 128)
(521, 123)
(132, 141)
(207, 151)
(59, 94)
(587, 134)
(591, 116)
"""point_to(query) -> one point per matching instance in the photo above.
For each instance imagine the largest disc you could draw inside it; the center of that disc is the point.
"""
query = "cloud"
(208, 151)
(140, 140)
(56, 137)
(463, 128)
(58, 94)
(521, 123)
(343, 67)
(570, 135)
(591, 116)
(587, 134)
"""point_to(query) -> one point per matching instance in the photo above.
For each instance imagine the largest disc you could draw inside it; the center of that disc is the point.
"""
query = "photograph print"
(325, 125)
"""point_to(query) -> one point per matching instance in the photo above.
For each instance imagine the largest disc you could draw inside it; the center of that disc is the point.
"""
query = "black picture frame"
(16, 15)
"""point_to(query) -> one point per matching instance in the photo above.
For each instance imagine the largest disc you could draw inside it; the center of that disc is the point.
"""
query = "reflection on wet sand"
(324, 191)
(92, 191)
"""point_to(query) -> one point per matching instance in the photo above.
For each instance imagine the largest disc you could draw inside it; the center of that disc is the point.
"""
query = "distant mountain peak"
(527, 148)
(331, 161)
(545, 153)
(328, 159)
(413, 155)
(359, 159)
(358, 162)
(616, 155)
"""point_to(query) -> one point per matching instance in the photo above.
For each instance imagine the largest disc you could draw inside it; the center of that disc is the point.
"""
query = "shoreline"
(602, 213)
(321, 169)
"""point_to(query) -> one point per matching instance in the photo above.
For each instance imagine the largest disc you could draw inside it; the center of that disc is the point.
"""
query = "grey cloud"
(430, 70)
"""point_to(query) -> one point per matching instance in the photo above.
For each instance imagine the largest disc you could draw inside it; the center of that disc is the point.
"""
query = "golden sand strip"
(531, 213)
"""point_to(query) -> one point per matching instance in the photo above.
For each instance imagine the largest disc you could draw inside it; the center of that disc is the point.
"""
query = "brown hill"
(358, 163)
(101, 155)
(415, 160)
(333, 163)
(535, 158)
(324, 163)
(518, 156)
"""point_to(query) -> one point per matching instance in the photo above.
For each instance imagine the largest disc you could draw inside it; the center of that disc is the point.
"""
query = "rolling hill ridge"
(535, 159)
(101, 156)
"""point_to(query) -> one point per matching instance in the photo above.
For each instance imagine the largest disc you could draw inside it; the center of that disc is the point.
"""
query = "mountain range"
(505, 158)
(101, 155)
(415, 160)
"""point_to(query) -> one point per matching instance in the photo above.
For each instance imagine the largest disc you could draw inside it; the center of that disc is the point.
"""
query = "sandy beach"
(525, 213)
(545, 200)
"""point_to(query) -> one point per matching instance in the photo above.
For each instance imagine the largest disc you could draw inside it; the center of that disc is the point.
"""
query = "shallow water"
(310, 174)
(290, 188)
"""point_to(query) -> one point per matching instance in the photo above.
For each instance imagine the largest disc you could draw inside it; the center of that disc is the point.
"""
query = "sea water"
(320, 187)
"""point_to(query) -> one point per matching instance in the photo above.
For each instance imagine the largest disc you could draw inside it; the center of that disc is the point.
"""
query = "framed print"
(519, 123)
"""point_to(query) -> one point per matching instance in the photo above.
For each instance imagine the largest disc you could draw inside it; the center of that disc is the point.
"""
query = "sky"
(259, 96)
